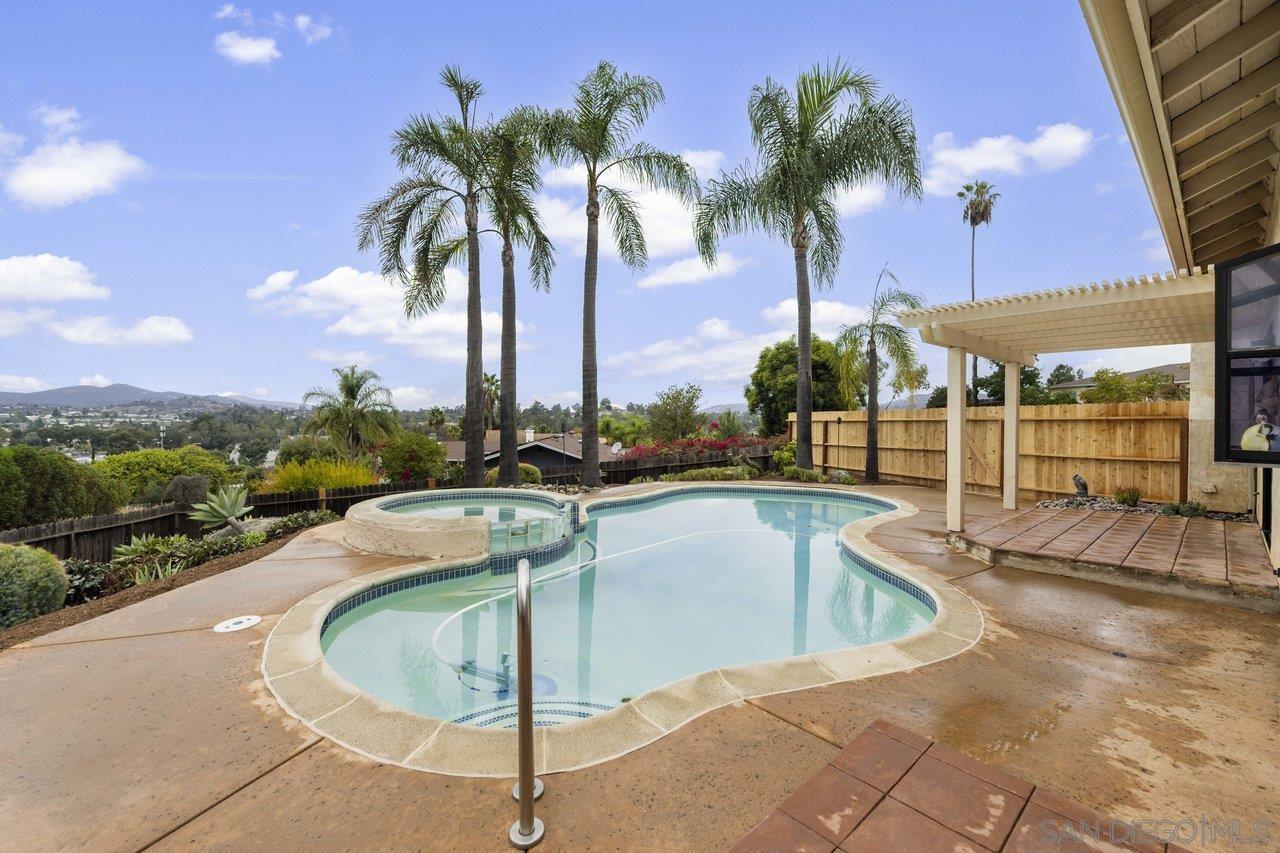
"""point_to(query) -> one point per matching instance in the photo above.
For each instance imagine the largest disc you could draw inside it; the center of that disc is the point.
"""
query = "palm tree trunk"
(973, 295)
(474, 470)
(873, 414)
(508, 465)
(804, 360)
(590, 475)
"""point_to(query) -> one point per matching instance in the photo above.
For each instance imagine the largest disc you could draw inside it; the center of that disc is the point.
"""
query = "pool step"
(546, 712)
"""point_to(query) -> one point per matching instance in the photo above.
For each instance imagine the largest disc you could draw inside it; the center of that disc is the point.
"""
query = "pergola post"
(956, 357)
(1012, 399)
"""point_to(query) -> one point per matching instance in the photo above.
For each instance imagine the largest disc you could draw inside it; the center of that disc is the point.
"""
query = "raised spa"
(652, 589)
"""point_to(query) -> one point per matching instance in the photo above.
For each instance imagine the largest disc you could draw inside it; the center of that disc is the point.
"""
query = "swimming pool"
(652, 590)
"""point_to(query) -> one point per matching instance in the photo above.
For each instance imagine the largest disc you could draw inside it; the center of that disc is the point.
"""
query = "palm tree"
(807, 152)
(512, 183)
(860, 347)
(979, 204)
(609, 107)
(414, 224)
(436, 420)
(492, 393)
(356, 416)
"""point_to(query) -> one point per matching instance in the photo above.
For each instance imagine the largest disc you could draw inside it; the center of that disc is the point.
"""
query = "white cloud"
(21, 384)
(1054, 146)
(58, 121)
(413, 397)
(1132, 358)
(564, 398)
(97, 380)
(46, 278)
(706, 162)
(259, 392)
(241, 49)
(312, 30)
(1153, 246)
(62, 171)
(366, 304)
(154, 331)
(693, 270)
(10, 143)
(16, 322)
(228, 11)
(277, 282)
(861, 199)
(343, 357)
(719, 352)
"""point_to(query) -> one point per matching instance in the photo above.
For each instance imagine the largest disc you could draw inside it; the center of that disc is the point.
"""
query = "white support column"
(1012, 399)
(1275, 516)
(955, 438)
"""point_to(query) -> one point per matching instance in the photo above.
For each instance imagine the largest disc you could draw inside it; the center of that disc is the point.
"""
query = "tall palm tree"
(512, 182)
(979, 204)
(807, 152)
(861, 346)
(357, 415)
(415, 226)
(609, 108)
(492, 394)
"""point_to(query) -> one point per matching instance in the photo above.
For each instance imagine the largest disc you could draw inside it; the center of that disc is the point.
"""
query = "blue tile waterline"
(639, 593)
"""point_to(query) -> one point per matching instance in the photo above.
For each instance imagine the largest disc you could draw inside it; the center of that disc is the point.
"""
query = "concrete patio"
(144, 729)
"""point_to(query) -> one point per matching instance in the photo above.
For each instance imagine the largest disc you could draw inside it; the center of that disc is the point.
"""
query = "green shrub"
(51, 486)
(724, 472)
(635, 480)
(842, 478)
(1127, 497)
(186, 489)
(803, 475)
(412, 456)
(144, 474)
(1170, 508)
(785, 456)
(528, 474)
(87, 580)
(317, 474)
(149, 558)
(299, 521)
(1192, 509)
(455, 473)
(305, 447)
(32, 583)
(252, 539)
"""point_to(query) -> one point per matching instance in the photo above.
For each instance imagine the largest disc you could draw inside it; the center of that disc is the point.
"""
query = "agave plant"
(223, 506)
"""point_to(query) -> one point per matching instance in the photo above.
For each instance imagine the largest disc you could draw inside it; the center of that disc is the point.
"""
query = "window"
(1247, 355)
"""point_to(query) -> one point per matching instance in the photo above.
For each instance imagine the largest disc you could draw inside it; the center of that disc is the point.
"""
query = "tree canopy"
(771, 393)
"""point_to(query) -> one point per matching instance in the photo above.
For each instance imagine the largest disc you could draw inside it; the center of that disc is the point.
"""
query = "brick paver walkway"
(892, 789)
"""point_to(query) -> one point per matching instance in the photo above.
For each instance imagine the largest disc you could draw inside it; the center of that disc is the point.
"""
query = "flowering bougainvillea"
(698, 446)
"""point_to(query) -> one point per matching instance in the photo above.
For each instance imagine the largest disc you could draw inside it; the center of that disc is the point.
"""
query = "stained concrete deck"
(143, 729)
(1201, 554)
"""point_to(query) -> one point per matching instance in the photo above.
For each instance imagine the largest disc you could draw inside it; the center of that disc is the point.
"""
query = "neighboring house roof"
(1180, 371)
(456, 451)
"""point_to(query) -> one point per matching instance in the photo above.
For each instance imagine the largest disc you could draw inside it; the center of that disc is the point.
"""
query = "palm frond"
(731, 204)
(628, 233)
(659, 170)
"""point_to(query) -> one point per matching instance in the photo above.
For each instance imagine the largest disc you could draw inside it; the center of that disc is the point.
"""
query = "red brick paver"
(891, 789)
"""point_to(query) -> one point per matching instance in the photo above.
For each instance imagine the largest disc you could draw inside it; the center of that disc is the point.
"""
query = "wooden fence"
(1112, 445)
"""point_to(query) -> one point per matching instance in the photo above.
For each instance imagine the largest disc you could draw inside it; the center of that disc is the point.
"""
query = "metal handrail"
(528, 830)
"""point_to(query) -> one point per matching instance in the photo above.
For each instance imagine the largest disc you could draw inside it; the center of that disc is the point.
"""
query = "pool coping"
(295, 670)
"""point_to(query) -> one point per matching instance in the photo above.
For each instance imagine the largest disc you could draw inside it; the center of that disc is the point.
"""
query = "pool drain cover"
(238, 623)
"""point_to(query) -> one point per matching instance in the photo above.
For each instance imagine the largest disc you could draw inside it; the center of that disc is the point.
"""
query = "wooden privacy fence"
(1112, 445)
(623, 471)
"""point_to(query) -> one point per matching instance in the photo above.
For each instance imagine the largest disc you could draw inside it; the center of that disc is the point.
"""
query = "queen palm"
(492, 393)
(807, 151)
(979, 204)
(512, 182)
(415, 227)
(861, 347)
(609, 107)
(356, 416)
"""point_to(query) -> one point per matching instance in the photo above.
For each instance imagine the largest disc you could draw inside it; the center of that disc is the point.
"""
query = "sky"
(179, 184)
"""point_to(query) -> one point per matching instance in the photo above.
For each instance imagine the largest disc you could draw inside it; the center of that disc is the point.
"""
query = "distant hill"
(915, 401)
(119, 394)
(737, 408)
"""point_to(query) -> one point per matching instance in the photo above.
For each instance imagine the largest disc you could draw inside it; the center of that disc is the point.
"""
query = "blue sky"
(179, 183)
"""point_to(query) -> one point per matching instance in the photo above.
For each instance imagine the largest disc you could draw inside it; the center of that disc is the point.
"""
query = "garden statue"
(1082, 487)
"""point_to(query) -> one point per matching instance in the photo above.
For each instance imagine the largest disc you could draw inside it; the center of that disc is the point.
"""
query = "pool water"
(689, 583)
(492, 509)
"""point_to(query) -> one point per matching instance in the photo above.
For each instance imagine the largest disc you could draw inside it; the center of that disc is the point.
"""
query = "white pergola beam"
(1012, 399)
(1233, 136)
(937, 333)
(1235, 96)
(1221, 53)
(956, 358)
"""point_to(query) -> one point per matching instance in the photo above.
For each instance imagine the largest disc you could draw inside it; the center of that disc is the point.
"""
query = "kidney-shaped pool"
(653, 589)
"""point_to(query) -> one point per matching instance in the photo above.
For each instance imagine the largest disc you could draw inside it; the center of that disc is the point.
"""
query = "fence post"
(322, 499)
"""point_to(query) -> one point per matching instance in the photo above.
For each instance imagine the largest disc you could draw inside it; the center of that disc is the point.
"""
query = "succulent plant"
(223, 506)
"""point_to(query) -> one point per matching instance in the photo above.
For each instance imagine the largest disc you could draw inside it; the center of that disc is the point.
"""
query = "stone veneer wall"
(1227, 488)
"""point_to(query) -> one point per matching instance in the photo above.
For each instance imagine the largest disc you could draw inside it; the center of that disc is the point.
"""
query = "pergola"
(1133, 312)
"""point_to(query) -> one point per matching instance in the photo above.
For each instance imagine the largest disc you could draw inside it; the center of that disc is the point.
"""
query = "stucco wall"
(1228, 488)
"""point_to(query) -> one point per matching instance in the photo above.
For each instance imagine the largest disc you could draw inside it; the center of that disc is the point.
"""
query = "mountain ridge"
(122, 394)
